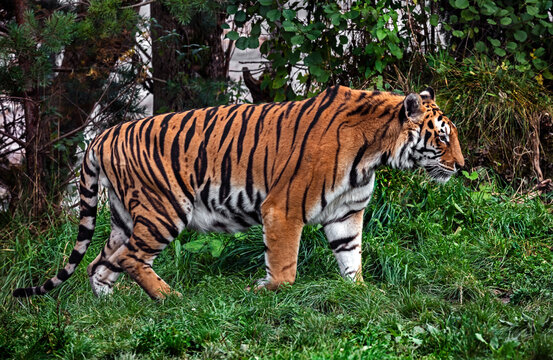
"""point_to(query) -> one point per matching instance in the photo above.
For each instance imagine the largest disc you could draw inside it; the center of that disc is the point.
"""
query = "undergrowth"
(504, 116)
(462, 270)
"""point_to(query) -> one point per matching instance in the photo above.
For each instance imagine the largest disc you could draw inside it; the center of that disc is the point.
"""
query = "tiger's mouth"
(439, 172)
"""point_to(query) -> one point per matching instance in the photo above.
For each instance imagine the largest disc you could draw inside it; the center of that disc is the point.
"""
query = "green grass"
(450, 272)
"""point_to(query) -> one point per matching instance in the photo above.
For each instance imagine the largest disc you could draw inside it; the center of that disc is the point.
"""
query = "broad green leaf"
(195, 245)
(499, 51)
(232, 9)
(511, 46)
(506, 21)
(316, 70)
(233, 35)
(434, 18)
(458, 33)
(253, 42)
(216, 247)
(288, 25)
(491, 22)
(395, 50)
(273, 15)
(288, 14)
(297, 39)
(313, 59)
(279, 82)
(266, 2)
(240, 16)
(378, 65)
(532, 10)
(335, 19)
(256, 30)
(480, 46)
(461, 4)
(521, 57)
(480, 338)
(539, 64)
(494, 42)
(539, 52)
(380, 34)
(242, 43)
(467, 15)
(520, 35)
(225, 26)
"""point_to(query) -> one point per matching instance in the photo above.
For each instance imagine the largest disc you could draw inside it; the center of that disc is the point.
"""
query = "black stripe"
(84, 233)
(334, 244)
(189, 134)
(89, 192)
(163, 131)
(353, 173)
(243, 129)
(204, 194)
(303, 204)
(299, 116)
(279, 125)
(87, 210)
(75, 257)
(323, 199)
(48, 285)
(63, 275)
(118, 222)
(347, 248)
(226, 174)
(226, 129)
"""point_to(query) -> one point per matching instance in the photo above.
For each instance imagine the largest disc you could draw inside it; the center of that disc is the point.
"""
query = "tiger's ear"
(428, 93)
(413, 107)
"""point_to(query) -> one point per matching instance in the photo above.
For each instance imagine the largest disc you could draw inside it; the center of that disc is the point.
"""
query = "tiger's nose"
(460, 163)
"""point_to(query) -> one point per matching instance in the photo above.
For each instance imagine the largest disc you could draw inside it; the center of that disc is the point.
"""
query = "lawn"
(463, 270)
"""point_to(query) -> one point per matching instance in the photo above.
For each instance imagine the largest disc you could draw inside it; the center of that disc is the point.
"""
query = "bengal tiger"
(282, 165)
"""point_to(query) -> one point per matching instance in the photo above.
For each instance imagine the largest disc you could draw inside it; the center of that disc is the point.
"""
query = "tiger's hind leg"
(344, 238)
(149, 238)
(103, 272)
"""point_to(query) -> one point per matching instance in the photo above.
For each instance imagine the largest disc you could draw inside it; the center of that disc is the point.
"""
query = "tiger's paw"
(260, 284)
(100, 288)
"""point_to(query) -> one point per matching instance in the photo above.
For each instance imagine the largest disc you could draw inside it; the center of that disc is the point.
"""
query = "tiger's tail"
(89, 201)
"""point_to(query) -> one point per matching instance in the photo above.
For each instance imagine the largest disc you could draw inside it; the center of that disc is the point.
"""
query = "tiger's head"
(435, 144)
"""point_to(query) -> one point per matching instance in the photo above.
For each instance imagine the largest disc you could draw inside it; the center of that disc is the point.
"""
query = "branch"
(18, 141)
(138, 5)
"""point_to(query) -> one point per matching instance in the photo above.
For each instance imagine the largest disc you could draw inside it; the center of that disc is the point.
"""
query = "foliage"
(498, 112)
(67, 68)
(518, 33)
(331, 44)
(363, 42)
(190, 67)
(37, 41)
(455, 271)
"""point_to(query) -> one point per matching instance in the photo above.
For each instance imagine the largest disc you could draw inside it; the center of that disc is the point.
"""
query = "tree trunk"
(37, 135)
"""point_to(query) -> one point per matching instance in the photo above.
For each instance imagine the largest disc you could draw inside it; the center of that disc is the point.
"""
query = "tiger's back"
(226, 168)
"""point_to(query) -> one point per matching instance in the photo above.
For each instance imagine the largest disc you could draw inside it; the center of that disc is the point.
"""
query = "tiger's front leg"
(281, 236)
(344, 237)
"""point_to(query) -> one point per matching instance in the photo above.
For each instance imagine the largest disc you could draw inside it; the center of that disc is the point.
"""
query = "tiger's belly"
(239, 209)
(229, 211)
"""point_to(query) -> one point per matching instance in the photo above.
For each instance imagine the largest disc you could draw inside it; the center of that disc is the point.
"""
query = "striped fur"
(282, 165)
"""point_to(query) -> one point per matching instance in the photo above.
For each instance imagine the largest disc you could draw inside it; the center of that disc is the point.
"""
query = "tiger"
(224, 169)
